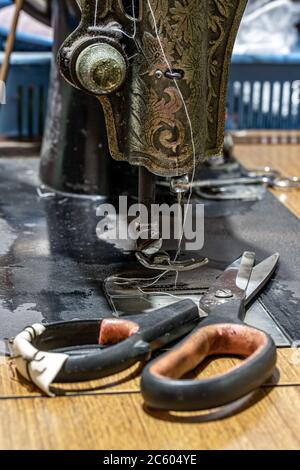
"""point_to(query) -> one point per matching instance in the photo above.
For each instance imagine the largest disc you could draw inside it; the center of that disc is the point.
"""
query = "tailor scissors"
(85, 350)
(222, 332)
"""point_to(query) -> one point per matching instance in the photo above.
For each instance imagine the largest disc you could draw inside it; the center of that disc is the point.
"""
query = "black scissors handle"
(219, 334)
(99, 348)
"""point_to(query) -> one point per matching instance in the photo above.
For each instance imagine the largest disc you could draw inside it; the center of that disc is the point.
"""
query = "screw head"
(224, 294)
(101, 68)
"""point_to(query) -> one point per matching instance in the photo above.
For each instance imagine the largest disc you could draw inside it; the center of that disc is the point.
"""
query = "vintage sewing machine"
(160, 72)
(136, 107)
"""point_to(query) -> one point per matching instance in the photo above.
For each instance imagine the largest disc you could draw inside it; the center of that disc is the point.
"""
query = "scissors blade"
(245, 270)
(261, 274)
(232, 283)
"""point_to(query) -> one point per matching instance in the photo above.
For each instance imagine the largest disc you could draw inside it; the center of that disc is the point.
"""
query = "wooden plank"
(266, 420)
(285, 158)
(267, 137)
(12, 385)
(116, 419)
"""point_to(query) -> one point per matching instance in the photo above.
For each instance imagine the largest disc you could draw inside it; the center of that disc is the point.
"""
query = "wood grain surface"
(112, 416)
(285, 158)
(267, 419)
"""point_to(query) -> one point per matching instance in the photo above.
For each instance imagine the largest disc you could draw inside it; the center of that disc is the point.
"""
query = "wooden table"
(114, 417)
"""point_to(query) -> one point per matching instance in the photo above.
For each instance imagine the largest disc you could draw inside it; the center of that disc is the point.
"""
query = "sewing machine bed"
(52, 265)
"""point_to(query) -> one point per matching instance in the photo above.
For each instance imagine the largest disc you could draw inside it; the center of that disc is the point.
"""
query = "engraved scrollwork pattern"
(147, 122)
(159, 126)
(224, 17)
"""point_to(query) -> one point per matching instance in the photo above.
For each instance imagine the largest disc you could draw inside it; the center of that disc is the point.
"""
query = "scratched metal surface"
(52, 265)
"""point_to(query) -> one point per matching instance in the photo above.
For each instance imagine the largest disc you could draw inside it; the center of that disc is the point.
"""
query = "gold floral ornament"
(169, 114)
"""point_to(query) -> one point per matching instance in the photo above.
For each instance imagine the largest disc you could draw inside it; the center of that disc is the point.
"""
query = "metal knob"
(101, 68)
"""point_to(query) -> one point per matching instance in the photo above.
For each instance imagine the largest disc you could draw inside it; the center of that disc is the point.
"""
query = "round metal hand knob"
(101, 68)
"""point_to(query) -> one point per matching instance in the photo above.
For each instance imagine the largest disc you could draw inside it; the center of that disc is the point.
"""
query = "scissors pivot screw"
(224, 294)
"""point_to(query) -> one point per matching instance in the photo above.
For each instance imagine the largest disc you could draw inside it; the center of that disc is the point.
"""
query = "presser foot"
(161, 261)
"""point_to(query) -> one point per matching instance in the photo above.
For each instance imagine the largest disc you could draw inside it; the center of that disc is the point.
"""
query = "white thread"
(134, 24)
(133, 37)
(140, 289)
(157, 278)
(160, 293)
(137, 279)
(189, 122)
(120, 30)
(133, 279)
(96, 13)
(129, 280)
